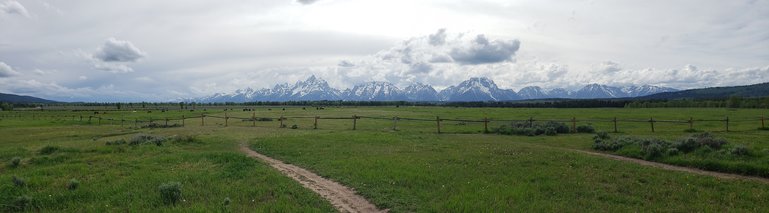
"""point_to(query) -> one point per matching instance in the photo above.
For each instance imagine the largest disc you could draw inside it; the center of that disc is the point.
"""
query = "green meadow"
(403, 164)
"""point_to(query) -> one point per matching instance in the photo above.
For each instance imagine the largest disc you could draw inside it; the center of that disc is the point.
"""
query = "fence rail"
(90, 119)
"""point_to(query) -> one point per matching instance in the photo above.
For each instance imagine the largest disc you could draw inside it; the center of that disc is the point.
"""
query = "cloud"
(607, 67)
(6, 70)
(114, 50)
(345, 63)
(113, 67)
(306, 2)
(439, 38)
(483, 51)
(13, 7)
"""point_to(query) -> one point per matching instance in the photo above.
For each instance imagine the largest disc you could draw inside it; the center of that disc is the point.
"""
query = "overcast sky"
(98, 50)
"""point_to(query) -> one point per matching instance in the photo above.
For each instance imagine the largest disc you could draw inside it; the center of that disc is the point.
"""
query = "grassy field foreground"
(412, 169)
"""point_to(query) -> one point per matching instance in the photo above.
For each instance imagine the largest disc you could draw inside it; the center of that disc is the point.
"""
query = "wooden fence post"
(573, 124)
(315, 124)
(183, 120)
(99, 121)
(81, 118)
(727, 123)
(226, 119)
(486, 125)
(651, 121)
(691, 123)
(253, 119)
(438, 121)
(395, 123)
(615, 125)
(354, 121)
(531, 122)
(281, 121)
(166, 122)
(202, 119)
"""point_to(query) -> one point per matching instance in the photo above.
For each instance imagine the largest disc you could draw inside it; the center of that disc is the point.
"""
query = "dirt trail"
(341, 197)
(675, 168)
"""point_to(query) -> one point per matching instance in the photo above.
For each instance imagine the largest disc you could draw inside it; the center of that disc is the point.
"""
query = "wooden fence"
(614, 122)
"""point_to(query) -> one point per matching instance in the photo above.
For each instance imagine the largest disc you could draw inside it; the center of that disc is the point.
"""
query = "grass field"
(409, 169)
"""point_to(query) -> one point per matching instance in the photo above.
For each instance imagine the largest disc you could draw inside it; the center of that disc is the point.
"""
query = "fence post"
(89, 119)
(651, 121)
(183, 120)
(281, 121)
(438, 121)
(354, 121)
(99, 121)
(226, 119)
(691, 123)
(136, 123)
(395, 123)
(81, 118)
(202, 119)
(315, 124)
(573, 124)
(166, 122)
(253, 119)
(486, 125)
(531, 122)
(615, 125)
(727, 123)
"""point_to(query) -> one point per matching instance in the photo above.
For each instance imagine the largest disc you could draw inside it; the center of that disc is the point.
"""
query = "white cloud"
(82, 77)
(114, 50)
(13, 7)
(306, 1)
(6, 70)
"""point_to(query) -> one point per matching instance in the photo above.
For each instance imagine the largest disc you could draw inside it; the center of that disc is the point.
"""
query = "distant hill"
(755, 90)
(22, 99)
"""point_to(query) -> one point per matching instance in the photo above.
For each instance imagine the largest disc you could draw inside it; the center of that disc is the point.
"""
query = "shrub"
(585, 129)
(15, 162)
(550, 131)
(227, 201)
(73, 184)
(47, 150)
(116, 142)
(294, 126)
(687, 144)
(739, 150)
(18, 182)
(707, 139)
(613, 145)
(652, 148)
(557, 126)
(146, 139)
(170, 192)
(602, 135)
(672, 152)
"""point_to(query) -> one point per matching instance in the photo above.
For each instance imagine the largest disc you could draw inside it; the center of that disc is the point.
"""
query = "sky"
(149, 50)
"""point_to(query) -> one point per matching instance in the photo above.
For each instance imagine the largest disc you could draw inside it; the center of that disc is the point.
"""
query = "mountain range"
(11, 98)
(473, 89)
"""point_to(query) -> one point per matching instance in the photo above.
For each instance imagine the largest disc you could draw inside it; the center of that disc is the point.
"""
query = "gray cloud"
(439, 38)
(13, 7)
(114, 50)
(113, 68)
(345, 63)
(6, 70)
(483, 51)
(305, 2)
(608, 67)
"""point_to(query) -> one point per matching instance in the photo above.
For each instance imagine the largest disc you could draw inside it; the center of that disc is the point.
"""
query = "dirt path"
(675, 168)
(341, 197)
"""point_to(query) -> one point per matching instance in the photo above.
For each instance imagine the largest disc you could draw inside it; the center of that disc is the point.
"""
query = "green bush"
(170, 193)
(47, 150)
(73, 184)
(550, 131)
(186, 139)
(739, 150)
(653, 148)
(585, 129)
(141, 139)
(18, 182)
(116, 142)
(707, 139)
(15, 162)
(532, 129)
(672, 152)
